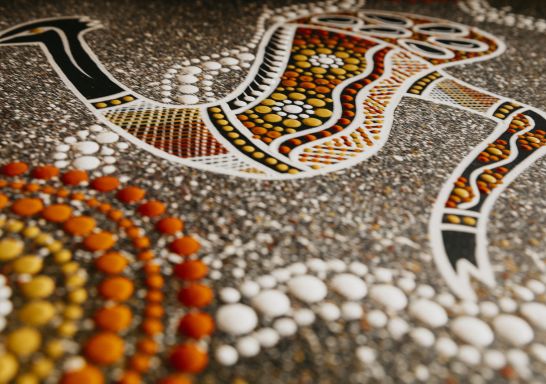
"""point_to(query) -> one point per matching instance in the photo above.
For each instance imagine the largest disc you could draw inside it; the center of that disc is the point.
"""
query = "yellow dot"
(291, 123)
(239, 142)
(55, 246)
(325, 51)
(78, 296)
(338, 71)
(67, 329)
(215, 110)
(258, 155)
(128, 98)
(342, 55)
(293, 171)
(453, 219)
(271, 161)
(218, 116)
(233, 135)
(268, 102)
(262, 109)
(307, 52)
(24, 341)
(27, 378)
(303, 64)
(278, 96)
(10, 248)
(318, 70)
(15, 226)
(282, 167)
(37, 313)
(222, 122)
(8, 367)
(101, 105)
(248, 148)
(300, 57)
(272, 118)
(39, 287)
(321, 112)
(227, 128)
(312, 122)
(62, 256)
(350, 67)
(115, 102)
(42, 367)
(499, 115)
(296, 96)
(27, 264)
(316, 102)
(75, 281)
(469, 221)
(54, 348)
(73, 312)
(352, 60)
(31, 232)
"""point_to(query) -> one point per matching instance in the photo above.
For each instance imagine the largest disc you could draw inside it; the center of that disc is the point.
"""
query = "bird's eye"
(441, 29)
(427, 50)
(384, 18)
(461, 44)
(337, 20)
(384, 31)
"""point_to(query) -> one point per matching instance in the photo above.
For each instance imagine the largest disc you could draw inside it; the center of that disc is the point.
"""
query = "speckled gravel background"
(357, 214)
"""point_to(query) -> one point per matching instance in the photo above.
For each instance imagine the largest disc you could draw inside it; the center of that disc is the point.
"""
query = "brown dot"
(189, 358)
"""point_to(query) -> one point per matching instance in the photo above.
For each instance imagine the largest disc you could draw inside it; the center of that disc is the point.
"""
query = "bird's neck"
(77, 66)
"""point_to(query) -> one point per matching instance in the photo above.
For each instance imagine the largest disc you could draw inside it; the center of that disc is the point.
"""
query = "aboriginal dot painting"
(272, 192)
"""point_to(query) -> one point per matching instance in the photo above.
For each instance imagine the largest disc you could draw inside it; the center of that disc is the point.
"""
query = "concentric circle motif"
(85, 263)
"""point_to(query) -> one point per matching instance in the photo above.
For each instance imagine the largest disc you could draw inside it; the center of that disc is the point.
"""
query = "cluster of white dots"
(482, 11)
(260, 312)
(326, 61)
(5, 304)
(90, 149)
(293, 109)
(192, 81)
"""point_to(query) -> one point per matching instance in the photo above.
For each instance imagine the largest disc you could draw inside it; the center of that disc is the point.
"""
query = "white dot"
(236, 319)
(226, 355)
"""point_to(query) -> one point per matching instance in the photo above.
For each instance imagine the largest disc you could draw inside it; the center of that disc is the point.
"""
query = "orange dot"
(154, 310)
(152, 327)
(155, 281)
(87, 374)
(176, 379)
(147, 346)
(111, 263)
(117, 288)
(3, 200)
(140, 362)
(152, 208)
(74, 177)
(114, 319)
(195, 295)
(169, 225)
(99, 241)
(130, 377)
(191, 270)
(104, 348)
(185, 246)
(105, 183)
(45, 172)
(131, 194)
(14, 169)
(57, 213)
(79, 225)
(189, 358)
(27, 206)
(196, 325)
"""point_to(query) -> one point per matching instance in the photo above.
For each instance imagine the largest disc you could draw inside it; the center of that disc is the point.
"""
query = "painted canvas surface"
(272, 192)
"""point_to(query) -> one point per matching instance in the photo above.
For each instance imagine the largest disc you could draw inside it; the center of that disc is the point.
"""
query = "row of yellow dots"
(125, 99)
(420, 85)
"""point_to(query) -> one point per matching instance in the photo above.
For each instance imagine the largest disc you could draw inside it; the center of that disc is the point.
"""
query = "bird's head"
(34, 31)
(439, 41)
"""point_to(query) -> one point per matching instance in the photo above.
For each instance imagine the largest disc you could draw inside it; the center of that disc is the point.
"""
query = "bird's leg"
(459, 219)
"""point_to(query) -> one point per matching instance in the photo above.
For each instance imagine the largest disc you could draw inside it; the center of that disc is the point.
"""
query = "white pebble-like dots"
(304, 317)
(472, 330)
(349, 286)
(513, 329)
(535, 313)
(329, 311)
(226, 355)
(229, 295)
(351, 311)
(188, 89)
(86, 147)
(248, 346)
(428, 312)
(236, 319)
(107, 137)
(285, 327)
(188, 99)
(422, 336)
(212, 66)
(267, 337)
(389, 296)
(307, 288)
(187, 79)
(446, 347)
(271, 303)
(86, 163)
(366, 354)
